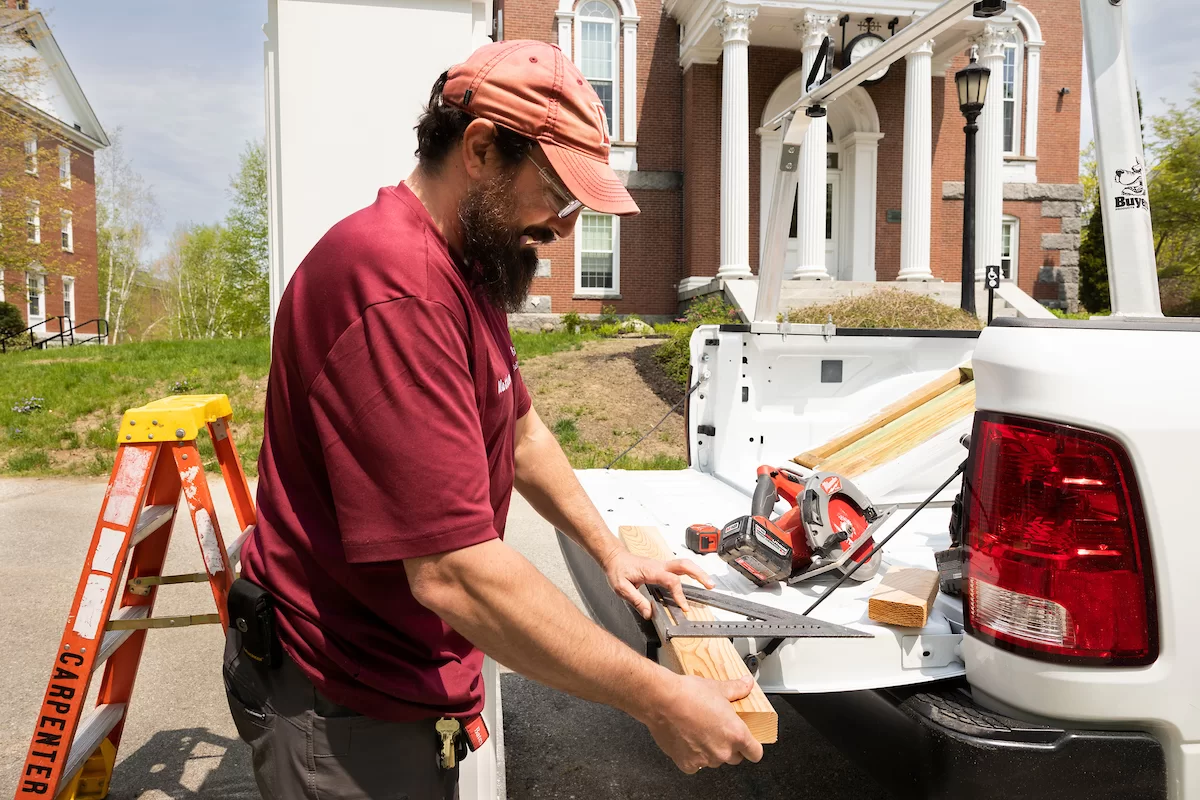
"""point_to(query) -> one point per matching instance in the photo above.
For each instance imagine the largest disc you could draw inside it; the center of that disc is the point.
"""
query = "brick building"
(61, 135)
(690, 86)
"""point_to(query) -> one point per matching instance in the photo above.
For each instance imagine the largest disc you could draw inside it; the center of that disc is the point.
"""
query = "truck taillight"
(1058, 559)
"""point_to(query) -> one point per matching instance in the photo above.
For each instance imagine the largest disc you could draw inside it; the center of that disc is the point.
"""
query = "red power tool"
(829, 526)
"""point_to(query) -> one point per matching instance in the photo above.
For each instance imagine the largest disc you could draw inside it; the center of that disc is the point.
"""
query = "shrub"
(675, 354)
(11, 321)
(887, 308)
(572, 322)
(608, 315)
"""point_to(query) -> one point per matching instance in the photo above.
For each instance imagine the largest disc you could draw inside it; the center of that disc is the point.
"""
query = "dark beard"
(499, 266)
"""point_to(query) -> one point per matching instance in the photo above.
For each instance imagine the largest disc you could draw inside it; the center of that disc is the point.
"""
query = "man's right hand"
(695, 725)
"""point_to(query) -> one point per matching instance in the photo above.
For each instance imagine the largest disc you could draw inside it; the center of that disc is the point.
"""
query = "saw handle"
(765, 495)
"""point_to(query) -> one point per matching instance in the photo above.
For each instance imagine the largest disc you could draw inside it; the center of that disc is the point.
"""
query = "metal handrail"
(33, 340)
(101, 335)
(65, 332)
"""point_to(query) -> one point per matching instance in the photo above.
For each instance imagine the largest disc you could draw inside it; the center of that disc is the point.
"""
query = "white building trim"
(592, 292)
(618, 73)
(625, 66)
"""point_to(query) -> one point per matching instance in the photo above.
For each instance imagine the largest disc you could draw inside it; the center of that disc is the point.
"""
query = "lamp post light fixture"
(972, 84)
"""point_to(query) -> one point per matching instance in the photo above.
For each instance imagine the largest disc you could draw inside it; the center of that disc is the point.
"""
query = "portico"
(846, 199)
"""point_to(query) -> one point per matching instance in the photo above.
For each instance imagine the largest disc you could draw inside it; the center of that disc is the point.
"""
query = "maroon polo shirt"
(391, 407)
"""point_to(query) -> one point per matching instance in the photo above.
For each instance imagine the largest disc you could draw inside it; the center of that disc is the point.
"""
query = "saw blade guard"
(837, 516)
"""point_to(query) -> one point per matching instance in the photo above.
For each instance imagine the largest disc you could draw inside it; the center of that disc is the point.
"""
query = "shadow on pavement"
(559, 747)
(186, 763)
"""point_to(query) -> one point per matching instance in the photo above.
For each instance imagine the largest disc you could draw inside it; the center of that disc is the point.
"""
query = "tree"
(1175, 203)
(126, 212)
(246, 244)
(202, 297)
(1093, 263)
(35, 203)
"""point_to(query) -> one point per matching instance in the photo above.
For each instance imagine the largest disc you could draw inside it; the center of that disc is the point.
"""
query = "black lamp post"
(972, 91)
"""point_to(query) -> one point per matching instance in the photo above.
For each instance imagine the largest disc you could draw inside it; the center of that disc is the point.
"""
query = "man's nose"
(563, 226)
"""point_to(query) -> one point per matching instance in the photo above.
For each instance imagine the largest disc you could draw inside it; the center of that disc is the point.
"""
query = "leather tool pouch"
(252, 612)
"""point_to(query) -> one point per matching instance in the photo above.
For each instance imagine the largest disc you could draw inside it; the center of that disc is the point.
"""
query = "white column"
(629, 76)
(565, 19)
(1033, 83)
(734, 22)
(813, 178)
(916, 221)
(860, 179)
(989, 209)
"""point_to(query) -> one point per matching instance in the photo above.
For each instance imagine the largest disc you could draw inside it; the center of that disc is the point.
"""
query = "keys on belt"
(458, 737)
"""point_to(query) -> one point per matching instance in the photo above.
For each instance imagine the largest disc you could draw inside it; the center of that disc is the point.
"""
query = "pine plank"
(891, 413)
(906, 433)
(904, 597)
(706, 658)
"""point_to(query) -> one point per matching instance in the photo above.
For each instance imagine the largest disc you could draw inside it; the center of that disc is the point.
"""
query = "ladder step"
(235, 549)
(150, 520)
(92, 731)
(114, 639)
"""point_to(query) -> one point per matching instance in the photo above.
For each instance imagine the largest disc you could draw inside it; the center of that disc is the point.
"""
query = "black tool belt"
(252, 612)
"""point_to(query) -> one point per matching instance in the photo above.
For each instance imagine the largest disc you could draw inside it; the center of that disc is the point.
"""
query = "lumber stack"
(705, 658)
(897, 429)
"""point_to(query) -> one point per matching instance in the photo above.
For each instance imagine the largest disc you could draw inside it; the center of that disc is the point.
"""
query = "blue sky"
(183, 79)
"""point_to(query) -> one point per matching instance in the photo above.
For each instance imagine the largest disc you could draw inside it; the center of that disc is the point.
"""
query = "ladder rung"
(165, 622)
(114, 639)
(92, 731)
(149, 521)
(235, 549)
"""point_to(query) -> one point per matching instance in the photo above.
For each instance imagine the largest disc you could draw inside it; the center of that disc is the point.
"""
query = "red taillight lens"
(1058, 561)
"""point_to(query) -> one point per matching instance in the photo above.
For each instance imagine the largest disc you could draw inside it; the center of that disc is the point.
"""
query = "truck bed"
(892, 657)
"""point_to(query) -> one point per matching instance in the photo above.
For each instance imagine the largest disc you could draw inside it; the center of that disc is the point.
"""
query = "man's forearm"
(495, 598)
(544, 477)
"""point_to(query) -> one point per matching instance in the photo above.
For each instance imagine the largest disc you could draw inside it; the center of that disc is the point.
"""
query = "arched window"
(597, 55)
(1013, 84)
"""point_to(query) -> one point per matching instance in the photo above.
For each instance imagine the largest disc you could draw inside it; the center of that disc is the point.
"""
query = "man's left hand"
(626, 572)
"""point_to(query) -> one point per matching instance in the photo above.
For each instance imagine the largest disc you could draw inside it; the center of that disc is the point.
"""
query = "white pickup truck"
(1070, 666)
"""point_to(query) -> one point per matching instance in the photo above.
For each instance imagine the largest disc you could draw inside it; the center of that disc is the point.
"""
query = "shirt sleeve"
(396, 413)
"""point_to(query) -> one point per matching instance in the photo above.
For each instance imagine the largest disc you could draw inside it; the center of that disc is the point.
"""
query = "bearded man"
(397, 426)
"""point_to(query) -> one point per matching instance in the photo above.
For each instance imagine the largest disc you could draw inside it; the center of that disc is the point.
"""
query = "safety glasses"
(562, 198)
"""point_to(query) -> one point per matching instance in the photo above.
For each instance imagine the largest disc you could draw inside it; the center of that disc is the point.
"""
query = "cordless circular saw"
(830, 526)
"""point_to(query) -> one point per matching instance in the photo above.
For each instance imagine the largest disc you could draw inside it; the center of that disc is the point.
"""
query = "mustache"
(538, 236)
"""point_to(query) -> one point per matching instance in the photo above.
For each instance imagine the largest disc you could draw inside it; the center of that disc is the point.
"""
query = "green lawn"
(83, 391)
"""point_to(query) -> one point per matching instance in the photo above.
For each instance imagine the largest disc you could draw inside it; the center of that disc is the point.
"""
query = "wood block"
(904, 597)
(895, 411)
(706, 658)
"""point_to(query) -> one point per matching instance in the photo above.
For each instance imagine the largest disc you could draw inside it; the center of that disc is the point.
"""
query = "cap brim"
(594, 183)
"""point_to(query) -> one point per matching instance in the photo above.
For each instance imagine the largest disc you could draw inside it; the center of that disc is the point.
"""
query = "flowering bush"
(29, 405)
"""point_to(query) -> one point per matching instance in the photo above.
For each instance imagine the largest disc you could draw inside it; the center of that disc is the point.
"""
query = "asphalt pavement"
(179, 741)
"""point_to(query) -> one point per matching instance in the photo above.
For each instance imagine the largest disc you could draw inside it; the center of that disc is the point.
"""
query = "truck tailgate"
(892, 657)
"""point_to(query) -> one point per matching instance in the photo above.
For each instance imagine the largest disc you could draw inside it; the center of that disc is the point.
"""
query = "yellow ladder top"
(175, 418)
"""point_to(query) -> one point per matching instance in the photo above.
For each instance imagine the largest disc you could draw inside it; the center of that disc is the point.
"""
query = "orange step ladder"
(157, 461)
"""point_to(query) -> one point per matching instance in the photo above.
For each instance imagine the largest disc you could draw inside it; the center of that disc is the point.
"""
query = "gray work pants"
(305, 746)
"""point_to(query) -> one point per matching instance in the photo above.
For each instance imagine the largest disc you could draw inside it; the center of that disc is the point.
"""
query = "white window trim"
(1018, 91)
(615, 291)
(68, 227)
(64, 160)
(614, 124)
(31, 318)
(31, 159)
(68, 284)
(1015, 256)
(36, 208)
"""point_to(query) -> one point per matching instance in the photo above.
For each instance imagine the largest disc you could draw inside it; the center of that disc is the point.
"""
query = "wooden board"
(706, 658)
(905, 434)
(895, 411)
(904, 597)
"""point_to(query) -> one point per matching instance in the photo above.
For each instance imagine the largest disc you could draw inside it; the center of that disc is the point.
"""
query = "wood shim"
(706, 658)
(895, 411)
(904, 597)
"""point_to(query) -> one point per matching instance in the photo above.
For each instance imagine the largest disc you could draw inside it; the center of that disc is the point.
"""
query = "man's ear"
(478, 159)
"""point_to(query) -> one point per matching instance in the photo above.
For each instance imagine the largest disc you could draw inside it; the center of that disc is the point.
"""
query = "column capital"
(925, 49)
(561, 15)
(628, 23)
(733, 20)
(991, 40)
(813, 28)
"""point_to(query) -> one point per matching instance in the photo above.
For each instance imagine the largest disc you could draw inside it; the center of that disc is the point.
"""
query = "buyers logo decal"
(832, 484)
(1132, 183)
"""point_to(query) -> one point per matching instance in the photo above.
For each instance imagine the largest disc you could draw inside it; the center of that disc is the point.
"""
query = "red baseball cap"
(530, 88)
